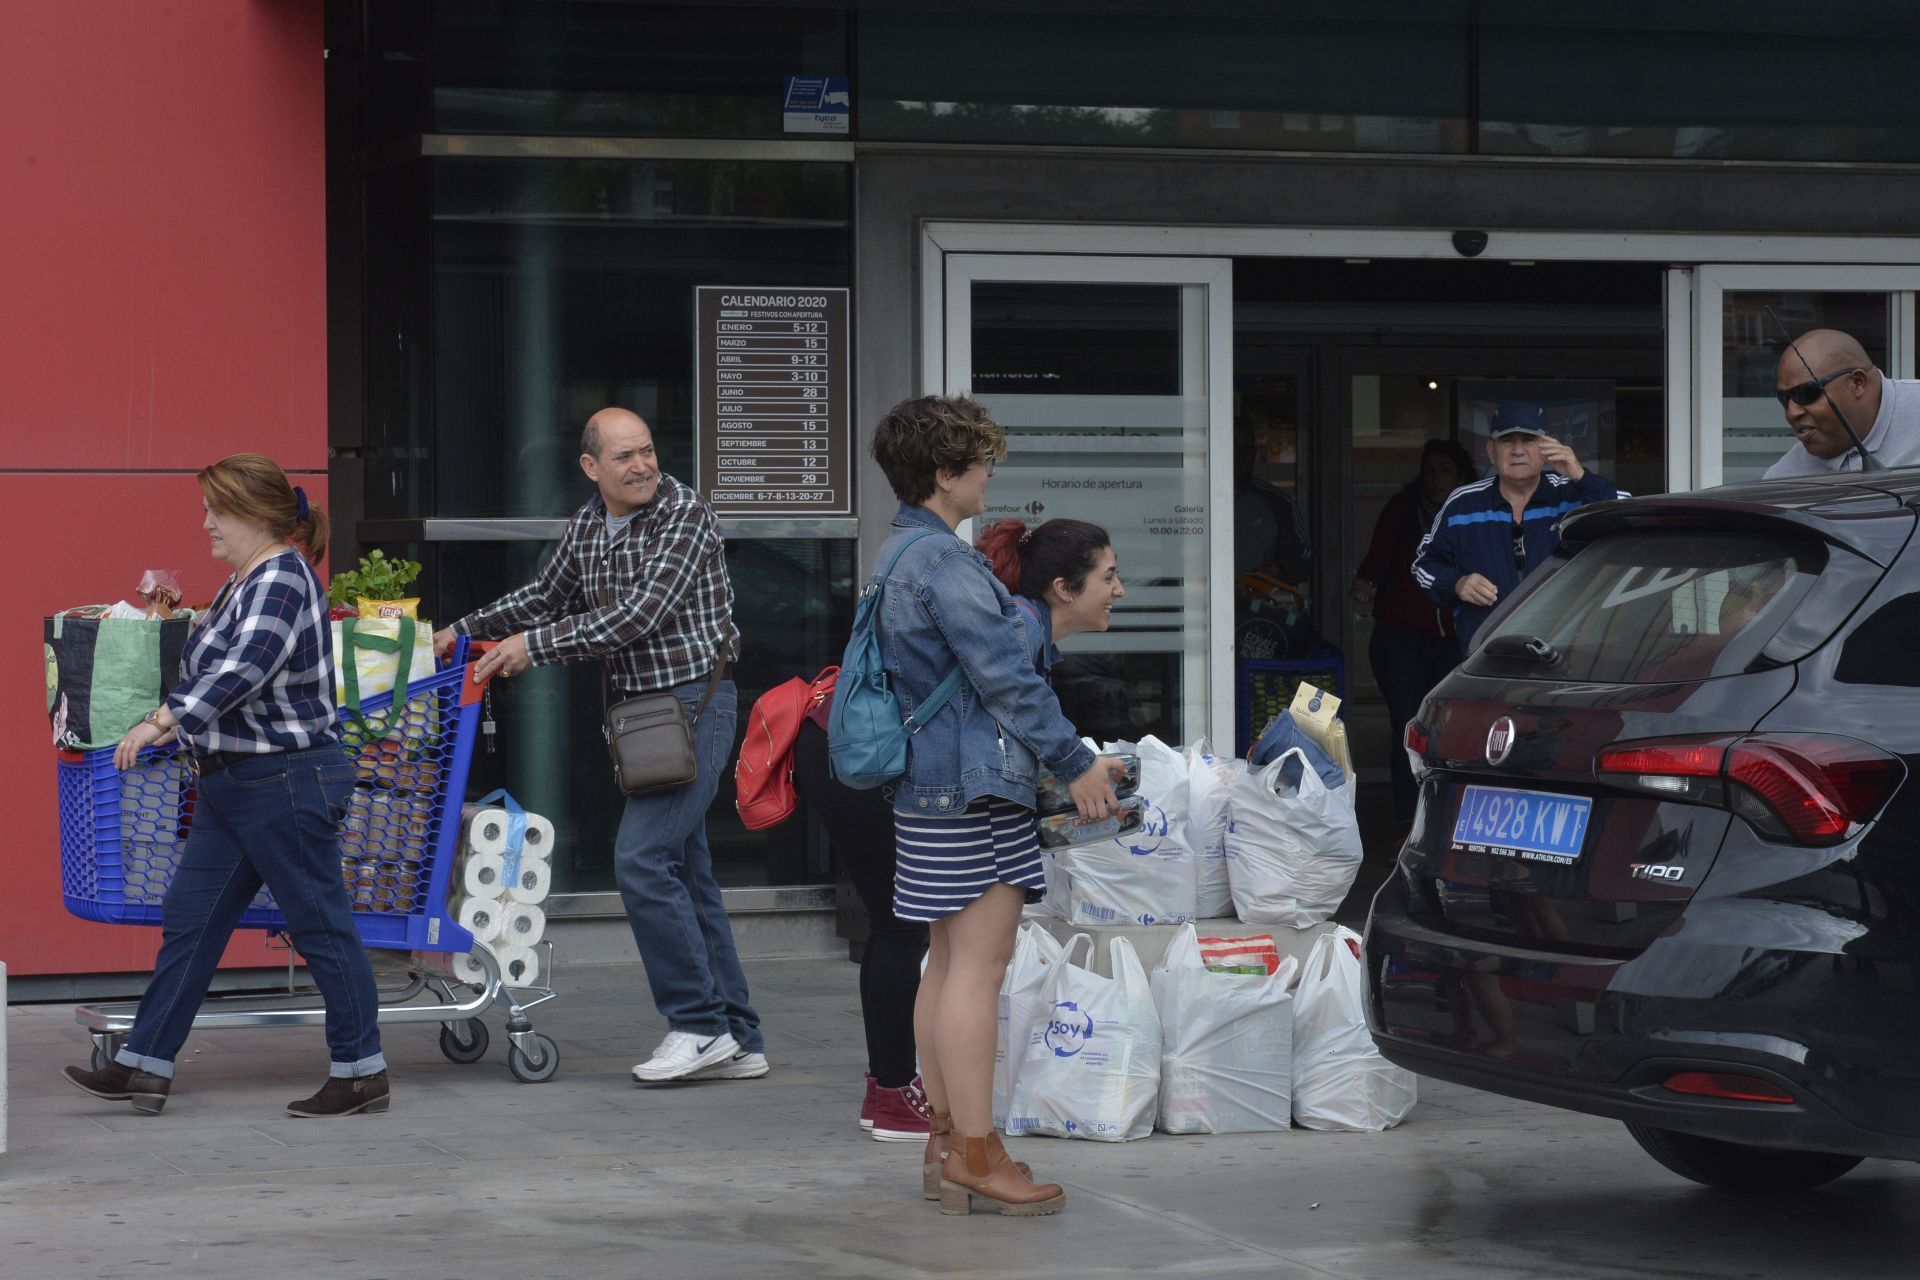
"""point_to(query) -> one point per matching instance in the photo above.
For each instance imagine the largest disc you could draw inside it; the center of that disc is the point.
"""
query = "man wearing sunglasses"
(1830, 372)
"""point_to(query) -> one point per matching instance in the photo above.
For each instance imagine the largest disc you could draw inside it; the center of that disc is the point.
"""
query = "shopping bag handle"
(403, 646)
(516, 832)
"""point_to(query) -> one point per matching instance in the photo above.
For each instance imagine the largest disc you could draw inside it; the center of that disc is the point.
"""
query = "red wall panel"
(164, 233)
(163, 244)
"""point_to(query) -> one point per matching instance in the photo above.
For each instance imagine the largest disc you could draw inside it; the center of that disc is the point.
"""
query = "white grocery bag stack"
(1230, 1049)
(503, 878)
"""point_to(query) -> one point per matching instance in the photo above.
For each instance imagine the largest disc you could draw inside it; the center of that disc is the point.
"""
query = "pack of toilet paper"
(503, 877)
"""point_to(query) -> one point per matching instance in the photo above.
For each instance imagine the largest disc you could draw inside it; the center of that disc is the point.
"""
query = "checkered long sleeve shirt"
(655, 604)
(257, 672)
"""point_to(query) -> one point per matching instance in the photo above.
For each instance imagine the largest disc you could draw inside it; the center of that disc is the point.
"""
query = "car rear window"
(1652, 608)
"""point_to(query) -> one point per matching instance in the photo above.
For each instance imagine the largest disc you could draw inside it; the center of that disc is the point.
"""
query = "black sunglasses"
(1807, 394)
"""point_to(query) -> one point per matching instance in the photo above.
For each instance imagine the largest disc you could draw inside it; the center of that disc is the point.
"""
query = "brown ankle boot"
(939, 1139)
(980, 1169)
(341, 1096)
(119, 1083)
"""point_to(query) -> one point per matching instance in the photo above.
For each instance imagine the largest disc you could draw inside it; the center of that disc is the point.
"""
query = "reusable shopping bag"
(1092, 1067)
(104, 673)
(1340, 1081)
(372, 647)
(1208, 779)
(1035, 952)
(1292, 853)
(1226, 1063)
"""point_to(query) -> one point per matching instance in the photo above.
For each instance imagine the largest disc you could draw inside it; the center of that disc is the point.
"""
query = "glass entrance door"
(1737, 345)
(1112, 377)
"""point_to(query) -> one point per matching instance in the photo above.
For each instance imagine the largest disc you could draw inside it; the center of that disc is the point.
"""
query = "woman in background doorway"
(1413, 643)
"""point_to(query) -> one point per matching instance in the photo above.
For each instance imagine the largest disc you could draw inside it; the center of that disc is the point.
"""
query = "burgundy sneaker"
(902, 1115)
(866, 1108)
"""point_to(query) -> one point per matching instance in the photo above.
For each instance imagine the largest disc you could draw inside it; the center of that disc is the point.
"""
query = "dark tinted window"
(1885, 649)
(1652, 608)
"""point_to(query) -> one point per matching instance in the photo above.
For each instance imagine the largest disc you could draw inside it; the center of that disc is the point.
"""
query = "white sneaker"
(682, 1053)
(741, 1066)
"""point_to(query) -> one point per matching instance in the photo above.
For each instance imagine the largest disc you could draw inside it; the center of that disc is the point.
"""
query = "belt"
(215, 761)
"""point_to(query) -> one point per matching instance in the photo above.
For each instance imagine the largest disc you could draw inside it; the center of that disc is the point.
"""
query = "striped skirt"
(947, 862)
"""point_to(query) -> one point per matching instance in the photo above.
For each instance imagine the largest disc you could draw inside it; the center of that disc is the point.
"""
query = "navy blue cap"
(1516, 417)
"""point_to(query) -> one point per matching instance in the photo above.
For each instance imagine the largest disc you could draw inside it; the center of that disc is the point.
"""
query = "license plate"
(1537, 826)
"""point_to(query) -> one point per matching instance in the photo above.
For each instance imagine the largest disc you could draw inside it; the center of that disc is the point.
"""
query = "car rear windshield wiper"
(1531, 650)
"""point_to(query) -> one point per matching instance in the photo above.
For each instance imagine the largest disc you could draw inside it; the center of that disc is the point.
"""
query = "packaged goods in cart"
(1051, 794)
(1060, 829)
(1251, 955)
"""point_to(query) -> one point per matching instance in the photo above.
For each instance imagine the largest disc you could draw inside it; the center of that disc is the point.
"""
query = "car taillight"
(1809, 787)
(1417, 740)
(1720, 1084)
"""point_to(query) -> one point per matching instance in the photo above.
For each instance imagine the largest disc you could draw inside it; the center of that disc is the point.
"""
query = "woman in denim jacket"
(963, 812)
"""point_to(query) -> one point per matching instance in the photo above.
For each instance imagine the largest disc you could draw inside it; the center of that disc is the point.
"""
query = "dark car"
(1665, 867)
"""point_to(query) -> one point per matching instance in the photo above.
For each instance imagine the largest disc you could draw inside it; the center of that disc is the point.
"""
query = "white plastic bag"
(1208, 779)
(1035, 951)
(1291, 855)
(1226, 1064)
(1143, 877)
(1092, 1067)
(1340, 1081)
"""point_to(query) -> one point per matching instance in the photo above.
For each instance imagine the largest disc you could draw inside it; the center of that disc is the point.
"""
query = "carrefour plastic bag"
(1340, 1081)
(1035, 952)
(1142, 877)
(1092, 1067)
(1226, 1063)
(1292, 853)
(1208, 778)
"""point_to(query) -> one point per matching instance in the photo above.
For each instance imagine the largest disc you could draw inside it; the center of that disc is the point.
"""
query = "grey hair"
(590, 439)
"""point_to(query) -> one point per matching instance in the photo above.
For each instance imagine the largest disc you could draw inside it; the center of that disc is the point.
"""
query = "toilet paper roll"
(522, 924)
(469, 970)
(532, 884)
(538, 842)
(519, 965)
(486, 829)
(481, 875)
(484, 918)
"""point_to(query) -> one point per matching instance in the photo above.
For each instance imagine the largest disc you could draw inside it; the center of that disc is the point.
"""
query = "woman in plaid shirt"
(255, 710)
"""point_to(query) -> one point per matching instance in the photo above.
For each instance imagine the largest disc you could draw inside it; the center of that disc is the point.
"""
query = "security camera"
(1469, 244)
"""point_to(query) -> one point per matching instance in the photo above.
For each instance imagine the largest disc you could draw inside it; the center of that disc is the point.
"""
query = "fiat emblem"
(1500, 741)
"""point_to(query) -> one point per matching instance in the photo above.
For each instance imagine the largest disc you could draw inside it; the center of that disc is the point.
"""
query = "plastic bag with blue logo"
(1035, 952)
(1292, 851)
(1092, 1067)
(1143, 877)
(1226, 1062)
(1208, 778)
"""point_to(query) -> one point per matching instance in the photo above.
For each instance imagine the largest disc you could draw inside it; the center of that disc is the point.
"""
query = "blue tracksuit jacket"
(1473, 533)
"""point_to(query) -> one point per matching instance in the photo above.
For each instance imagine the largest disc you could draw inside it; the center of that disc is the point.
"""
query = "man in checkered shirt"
(639, 583)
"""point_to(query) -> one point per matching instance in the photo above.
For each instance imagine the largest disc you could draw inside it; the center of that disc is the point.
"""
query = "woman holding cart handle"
(963, 812)
(255, 711)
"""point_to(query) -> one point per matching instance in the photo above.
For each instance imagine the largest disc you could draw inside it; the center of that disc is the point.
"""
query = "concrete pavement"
(472, 1174)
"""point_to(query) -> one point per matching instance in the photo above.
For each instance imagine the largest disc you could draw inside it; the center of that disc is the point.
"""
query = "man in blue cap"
(1490, 534)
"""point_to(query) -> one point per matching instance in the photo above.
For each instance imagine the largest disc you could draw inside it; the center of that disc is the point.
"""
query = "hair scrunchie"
(300, 508)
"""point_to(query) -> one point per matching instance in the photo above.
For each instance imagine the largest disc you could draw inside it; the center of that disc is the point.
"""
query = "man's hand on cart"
(508, 658)
(443, 643)
(158, 724)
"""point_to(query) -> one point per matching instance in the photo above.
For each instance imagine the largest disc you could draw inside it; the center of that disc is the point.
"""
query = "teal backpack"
(866, 734)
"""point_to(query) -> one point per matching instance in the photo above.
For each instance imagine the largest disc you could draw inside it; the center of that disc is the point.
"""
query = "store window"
(1303, 77)
(514, 298)
(1698, 81)
(622, 69)
(1754, 327)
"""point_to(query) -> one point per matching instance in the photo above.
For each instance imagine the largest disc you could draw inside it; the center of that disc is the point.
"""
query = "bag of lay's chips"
(407, 608)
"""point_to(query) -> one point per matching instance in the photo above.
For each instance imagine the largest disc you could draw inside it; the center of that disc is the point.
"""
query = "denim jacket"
(942, 605)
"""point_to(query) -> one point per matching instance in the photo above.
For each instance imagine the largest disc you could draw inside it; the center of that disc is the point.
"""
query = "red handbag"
(764, 794)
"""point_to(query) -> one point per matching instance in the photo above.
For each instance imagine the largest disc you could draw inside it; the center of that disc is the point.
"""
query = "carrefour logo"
(1069, 1029)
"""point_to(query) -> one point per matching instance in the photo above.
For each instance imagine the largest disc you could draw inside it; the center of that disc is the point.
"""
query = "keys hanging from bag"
(650, 738)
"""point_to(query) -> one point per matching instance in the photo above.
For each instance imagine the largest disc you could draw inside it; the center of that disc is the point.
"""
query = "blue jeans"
(275, 819)
(665, 873)
(1406, 665)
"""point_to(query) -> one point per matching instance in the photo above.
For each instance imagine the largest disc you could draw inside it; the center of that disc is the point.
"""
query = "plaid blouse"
(655, 603)
(256, 674)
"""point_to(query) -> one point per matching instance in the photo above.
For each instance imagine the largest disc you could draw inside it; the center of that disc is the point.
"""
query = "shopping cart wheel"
(464, 1041)
(104, 1047)
(525, 1069)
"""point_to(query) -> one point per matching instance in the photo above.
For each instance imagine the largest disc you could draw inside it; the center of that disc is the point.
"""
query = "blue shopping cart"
(122, 834)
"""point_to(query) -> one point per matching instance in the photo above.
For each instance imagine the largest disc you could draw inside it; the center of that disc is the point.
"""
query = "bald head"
(599, 423)
(1830, 371)
(1827, 350)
